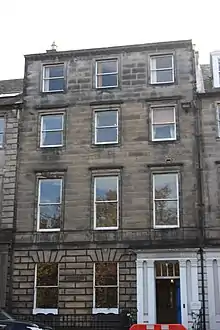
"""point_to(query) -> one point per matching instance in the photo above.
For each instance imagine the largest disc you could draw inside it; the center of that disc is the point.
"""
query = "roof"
(11, 86)
(114, 49)
(11, 91)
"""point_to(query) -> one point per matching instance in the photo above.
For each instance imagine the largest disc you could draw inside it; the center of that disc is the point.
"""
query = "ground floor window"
(105, 285)
(46, 287)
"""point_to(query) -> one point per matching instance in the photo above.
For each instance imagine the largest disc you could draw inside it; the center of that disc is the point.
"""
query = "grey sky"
(28, 26)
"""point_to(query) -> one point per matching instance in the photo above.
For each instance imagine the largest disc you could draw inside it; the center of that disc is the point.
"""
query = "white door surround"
(146, 291)
(212, 261)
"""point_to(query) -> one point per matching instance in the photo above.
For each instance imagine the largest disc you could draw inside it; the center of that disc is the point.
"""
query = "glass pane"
(56, 85)
(106, 297)
(163, 62)
(177, 269)
(165, 186)
(52, 122)
(107, 81)
(107, 67)
(161, 116)
(170, 269)
(2, 125)
(106, 118)
(52, 138)
(106, 188)
(106, 214)
(164, 269)
(158, 268)
(164, 76)
(1, 139)
(106, 135)
(54, 71)
(165, 213)
(47, 274)
(50, 216)
(50, 191)
(106, 273)
(164, 131)
(47, 298)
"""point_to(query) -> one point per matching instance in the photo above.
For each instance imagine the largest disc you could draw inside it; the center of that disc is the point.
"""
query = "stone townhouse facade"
(107, 193)
(208, 88)
(10, 107)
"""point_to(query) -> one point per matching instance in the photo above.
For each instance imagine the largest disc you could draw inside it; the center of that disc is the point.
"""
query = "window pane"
(52, 122)
(56, 84)
(50, 216)
(106, 273)
(2, 125)
(107, 81)
(54, 71)
(164, 76)
(50, 191)
(106, 118)
(164, 268)
(52, 138)
(106, 297)
(170, 269)
(163, 62)
(107, 67)
(177, 269)
(47, 274)
(1, 139)
(106, 188)
(161, 116)
(165, 213)
(164, 131)
(47, 298)
(106, 214)
(165, 186)
(106, 135)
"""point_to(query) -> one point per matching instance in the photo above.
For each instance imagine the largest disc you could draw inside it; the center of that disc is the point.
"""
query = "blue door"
(178, 301)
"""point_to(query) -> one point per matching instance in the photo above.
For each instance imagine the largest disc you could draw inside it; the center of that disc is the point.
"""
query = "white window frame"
(103, 127)
(168, 122)
(44, 310)
(96, 310)
(153, 57)
(2, 132)
(41, 204)
(52, 78)
(218, 118)
(42, 131)
(170, 199)
(216, 69)
(112, 201)
(105, 74)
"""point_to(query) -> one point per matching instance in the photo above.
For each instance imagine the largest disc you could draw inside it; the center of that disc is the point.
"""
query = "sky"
(28, 26)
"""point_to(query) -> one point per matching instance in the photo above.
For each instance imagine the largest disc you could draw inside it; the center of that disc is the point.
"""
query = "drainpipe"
(11, 267)
(199, 176)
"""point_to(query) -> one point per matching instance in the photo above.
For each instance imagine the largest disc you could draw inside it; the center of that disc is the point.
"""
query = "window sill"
(45, 311)
(58, 91)
(164, 140)
(48, 230)
(106, 228)
(162, 83)
(105, 311)
(105, 145)
(51, 146)
(107, 87)
(167, 227)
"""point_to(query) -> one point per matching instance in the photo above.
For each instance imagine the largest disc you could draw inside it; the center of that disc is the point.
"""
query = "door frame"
(146, 294)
